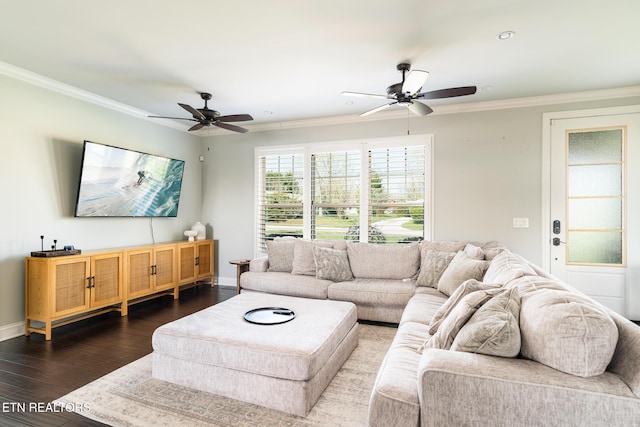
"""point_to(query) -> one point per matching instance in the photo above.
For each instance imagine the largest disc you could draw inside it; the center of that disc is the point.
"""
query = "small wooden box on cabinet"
(61, 290)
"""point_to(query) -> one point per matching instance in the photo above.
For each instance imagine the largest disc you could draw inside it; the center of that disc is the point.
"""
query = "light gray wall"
(41, 136)
(487, 171)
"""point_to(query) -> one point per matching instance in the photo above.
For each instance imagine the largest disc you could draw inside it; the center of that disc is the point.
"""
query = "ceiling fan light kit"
(407, 92)
(206, 117)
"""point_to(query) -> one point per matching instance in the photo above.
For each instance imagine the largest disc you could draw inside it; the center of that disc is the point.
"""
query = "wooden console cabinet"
(66, 289)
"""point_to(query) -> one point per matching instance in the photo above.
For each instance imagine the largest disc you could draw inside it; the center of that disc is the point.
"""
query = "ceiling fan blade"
(419, 108)
(173, 118)
(414, 81)
(235, 118)
(196, 114)
(233, 128)
(375, 110)
(448, 93)
(364, 95)
(196, 127)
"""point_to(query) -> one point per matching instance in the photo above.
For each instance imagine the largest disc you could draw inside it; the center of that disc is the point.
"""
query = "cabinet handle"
(89, 282)
(93, 279)
(154, 270)
(197, 260)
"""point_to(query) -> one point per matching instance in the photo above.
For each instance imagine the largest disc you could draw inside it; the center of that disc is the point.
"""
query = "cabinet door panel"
(71, 293)
(187, 266)
(107, 280)
(205, 261)
(166, 274)
(139, 273)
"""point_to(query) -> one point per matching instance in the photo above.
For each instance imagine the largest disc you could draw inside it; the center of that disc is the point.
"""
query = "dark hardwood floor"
(35, 371)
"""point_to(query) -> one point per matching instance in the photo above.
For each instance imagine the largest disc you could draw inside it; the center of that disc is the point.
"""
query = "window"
(374, 191)
(279, 197)
(595, 196)
(335, 195)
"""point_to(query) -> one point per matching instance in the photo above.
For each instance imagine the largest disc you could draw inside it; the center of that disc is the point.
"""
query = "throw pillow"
(567, 332)
(493, 329)
(280, 253)
(463, 290)
(303, 259)
(432, 267)
(461, 268)
(332, 264)
(458, 316)
(474, 251)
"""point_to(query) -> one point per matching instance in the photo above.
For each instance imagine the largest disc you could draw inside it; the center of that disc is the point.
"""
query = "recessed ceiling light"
(349, 102)
(486, 88)
(268, 112)
(506, 35)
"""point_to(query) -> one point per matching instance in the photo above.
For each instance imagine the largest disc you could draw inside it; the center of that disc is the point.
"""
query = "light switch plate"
(520, 222)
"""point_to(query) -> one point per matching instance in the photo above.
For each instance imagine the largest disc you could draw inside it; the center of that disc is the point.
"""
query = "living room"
(488, 159)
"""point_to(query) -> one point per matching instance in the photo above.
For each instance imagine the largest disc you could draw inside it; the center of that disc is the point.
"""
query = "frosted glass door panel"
(596, 146)
(595, 214)
(595, 180)
(594, 247)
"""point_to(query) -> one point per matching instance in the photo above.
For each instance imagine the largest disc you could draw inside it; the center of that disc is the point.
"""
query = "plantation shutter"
(335, 195)
(280, 197)
(397, 183)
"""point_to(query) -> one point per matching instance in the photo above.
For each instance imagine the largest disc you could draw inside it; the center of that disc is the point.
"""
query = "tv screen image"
(120, 182)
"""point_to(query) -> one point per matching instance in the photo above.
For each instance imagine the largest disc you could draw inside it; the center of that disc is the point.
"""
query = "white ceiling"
(286, 60)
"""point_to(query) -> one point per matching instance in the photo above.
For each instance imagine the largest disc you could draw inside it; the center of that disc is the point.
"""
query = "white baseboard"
(227, 282)
(11, 331)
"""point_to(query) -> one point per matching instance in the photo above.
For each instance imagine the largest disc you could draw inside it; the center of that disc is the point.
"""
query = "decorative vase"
(190, 234)
(201, 231)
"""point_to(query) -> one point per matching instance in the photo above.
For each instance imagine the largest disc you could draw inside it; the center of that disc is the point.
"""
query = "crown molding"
(83, 95)
(533, 101)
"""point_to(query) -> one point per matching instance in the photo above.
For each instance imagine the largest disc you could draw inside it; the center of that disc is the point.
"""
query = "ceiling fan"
(208, 117)
(407, 92)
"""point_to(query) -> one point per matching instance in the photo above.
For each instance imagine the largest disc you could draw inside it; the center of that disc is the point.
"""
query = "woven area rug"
(130, 397)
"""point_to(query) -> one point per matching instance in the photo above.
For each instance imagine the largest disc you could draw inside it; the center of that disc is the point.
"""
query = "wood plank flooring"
(35, 371)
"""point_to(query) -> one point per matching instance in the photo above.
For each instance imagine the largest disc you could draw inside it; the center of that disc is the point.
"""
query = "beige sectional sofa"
(484, 337)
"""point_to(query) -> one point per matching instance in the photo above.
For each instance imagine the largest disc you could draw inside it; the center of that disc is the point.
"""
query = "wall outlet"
(520, 222)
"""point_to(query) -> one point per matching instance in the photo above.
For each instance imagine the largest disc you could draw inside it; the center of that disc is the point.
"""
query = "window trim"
(363, 146)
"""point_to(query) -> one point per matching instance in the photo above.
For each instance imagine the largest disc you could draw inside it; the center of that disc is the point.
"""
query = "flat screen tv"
(116, 182)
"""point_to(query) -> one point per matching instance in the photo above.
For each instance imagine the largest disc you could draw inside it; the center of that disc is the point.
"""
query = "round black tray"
(269, 315)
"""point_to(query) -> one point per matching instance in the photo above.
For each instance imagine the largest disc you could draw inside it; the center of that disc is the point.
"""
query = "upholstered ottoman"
(285, 366)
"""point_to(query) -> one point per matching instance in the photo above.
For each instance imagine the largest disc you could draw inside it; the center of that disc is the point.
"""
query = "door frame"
(547, 120)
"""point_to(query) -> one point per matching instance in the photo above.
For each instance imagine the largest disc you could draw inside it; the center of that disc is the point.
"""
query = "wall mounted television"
(117, 182)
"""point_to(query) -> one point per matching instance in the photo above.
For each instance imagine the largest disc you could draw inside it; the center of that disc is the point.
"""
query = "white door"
(594, 221)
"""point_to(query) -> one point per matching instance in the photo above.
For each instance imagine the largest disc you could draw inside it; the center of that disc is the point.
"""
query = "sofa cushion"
(376, 261)
(422, 307)
(506, 267)
(432, 266)
(458, 317)
(387, 292)
(567, 332)
(332, 264)
(280, 252)
(303, 258)
(285, 284)
(493, 329)
(461, 268)
(462, 291)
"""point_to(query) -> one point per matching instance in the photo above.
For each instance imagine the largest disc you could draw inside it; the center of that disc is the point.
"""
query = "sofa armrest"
(456, 388)
(259, 265)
